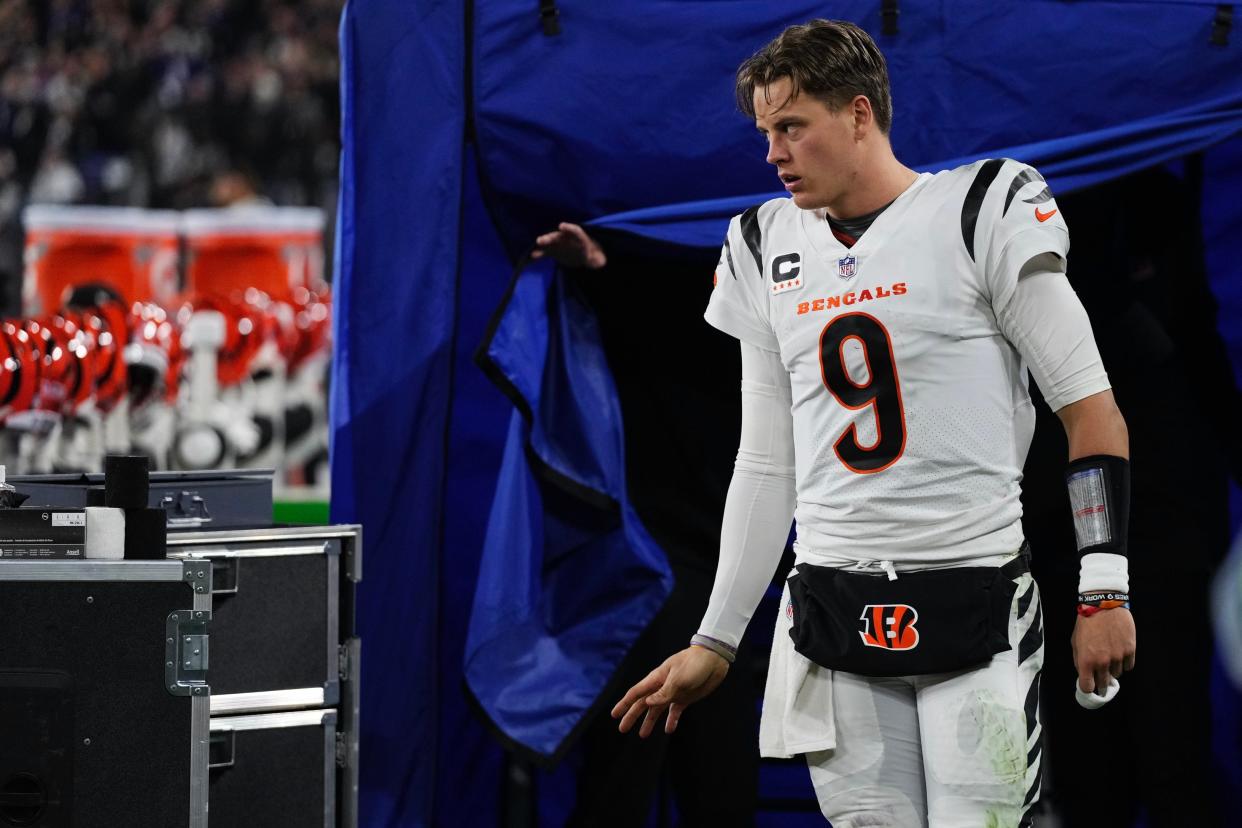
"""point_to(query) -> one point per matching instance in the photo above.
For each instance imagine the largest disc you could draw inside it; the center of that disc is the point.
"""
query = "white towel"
(1093, 702)
(797, 699)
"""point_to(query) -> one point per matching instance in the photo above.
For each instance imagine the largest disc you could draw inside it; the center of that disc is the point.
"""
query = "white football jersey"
(910, 410)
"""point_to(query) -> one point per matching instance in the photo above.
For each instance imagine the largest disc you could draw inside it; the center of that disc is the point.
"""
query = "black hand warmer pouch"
(930, 621)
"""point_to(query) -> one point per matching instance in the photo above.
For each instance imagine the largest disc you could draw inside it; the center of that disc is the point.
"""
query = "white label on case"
(68, 518)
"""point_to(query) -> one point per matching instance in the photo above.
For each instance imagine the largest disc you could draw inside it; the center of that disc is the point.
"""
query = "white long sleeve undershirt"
(759, 508)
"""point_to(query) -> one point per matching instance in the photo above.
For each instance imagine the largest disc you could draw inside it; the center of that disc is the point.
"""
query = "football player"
(887, 320)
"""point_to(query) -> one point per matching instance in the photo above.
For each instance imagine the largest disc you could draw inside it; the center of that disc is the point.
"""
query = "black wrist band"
(1099, 494)
(1090, 598)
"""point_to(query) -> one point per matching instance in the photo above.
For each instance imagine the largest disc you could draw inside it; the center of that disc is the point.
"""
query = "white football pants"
(950, 750)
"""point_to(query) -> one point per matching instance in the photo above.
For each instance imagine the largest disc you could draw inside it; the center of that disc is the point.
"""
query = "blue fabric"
(393, 339)
(632, 107)
(1068, 164)
(467, 752)
(569, 577)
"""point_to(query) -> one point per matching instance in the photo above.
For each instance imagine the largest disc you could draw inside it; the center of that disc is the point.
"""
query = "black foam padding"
(276, 780)
(135, 772)
(146, 534)
(272, 634)
(127, 481)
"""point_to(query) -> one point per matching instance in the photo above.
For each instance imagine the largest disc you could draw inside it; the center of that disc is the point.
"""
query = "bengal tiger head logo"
(889, 626)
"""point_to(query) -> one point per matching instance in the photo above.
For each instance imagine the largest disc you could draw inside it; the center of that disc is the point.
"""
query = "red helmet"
(245, 329)
(280, 325)
(109, 343)
(153, 355)
(49, 393)
(103, 316)
(20, 376)
(313, 319)
(68, 365)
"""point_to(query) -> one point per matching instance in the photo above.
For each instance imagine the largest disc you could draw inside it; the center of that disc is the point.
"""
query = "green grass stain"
(1002, 736)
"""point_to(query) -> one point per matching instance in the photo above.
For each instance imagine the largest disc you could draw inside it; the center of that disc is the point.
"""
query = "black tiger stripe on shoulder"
(1040, 197)
(974, 201)
(1021, 180)
(753, 236)
(729, 257)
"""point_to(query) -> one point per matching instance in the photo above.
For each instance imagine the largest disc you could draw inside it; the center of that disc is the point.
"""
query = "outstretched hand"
(570, 245)
(1103, 646)
(682, 679)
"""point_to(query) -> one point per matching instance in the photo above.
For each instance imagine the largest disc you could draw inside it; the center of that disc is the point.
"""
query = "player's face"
(814, 149)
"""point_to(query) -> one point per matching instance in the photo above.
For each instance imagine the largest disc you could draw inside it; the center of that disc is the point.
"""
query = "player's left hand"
(572, 246)
(683, 678)
(1103, 646)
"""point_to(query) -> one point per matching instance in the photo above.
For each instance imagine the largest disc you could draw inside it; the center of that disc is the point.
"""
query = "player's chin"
(807, 200)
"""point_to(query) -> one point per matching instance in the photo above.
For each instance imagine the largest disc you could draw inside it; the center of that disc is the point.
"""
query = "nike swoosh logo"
(1045, 216)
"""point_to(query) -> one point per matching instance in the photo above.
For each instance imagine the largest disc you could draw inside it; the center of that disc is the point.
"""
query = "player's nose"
(777, 151)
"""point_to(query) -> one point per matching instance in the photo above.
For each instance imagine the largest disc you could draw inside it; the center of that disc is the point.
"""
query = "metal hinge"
(342, 750)
(185, 652)
(342, 661)
(197, 573)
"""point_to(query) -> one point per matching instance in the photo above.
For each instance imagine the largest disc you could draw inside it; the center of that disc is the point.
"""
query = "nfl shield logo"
(847, 267)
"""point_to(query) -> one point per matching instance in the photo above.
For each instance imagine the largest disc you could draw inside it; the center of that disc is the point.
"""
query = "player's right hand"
(682, 679)
(1103, 647)
(570, 245)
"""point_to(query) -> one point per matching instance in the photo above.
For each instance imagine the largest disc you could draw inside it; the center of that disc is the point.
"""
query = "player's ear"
(864, 118)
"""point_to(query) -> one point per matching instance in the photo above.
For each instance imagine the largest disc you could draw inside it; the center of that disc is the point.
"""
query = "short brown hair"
(831, 60)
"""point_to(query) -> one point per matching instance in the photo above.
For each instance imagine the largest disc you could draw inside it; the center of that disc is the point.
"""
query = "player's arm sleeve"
(739, 302)
(759, 507)
(1023, 266)
(1046, 322)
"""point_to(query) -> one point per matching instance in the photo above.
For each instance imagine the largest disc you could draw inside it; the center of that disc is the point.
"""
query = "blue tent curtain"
(627, 117)
(569, 576)
(632, 105)
(395, 289)
(1069, 163)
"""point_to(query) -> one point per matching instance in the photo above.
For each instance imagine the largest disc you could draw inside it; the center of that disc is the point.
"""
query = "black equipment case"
(194, 500)
(104, 703)
(278, 770)
(283, 639)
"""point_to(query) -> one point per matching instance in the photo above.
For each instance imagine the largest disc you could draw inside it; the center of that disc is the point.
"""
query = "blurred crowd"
(164, 103)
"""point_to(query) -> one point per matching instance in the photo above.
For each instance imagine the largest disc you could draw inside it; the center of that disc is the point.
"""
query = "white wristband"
(1103, 572)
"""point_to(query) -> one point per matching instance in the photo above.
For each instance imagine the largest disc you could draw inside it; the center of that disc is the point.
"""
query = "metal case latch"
(185, 652)
(186, 509)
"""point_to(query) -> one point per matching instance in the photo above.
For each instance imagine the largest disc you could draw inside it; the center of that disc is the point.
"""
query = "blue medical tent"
(506, 570)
